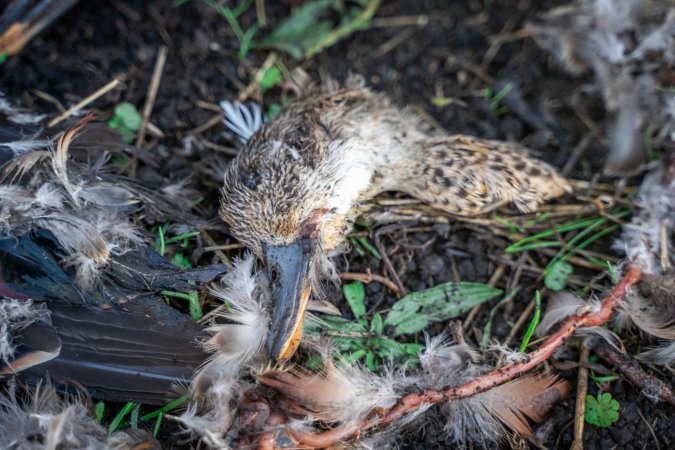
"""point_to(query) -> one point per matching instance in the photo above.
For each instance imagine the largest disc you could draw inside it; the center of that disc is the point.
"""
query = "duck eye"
(274, 274)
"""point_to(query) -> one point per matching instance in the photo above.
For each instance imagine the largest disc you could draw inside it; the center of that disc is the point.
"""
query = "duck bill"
(287, 267)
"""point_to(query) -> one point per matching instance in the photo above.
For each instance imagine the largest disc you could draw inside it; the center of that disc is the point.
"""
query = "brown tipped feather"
(522, 399)
(337, 394)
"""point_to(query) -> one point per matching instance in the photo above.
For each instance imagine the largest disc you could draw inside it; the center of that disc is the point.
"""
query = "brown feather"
(522, 399)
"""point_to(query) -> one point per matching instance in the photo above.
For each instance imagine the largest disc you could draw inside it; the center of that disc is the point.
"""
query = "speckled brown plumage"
(305, 172)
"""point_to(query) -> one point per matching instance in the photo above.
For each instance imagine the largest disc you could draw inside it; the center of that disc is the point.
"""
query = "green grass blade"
(158, 424)
(166, 408)
(115, 424)
(370, 247)
(533, 323)
(99, 410)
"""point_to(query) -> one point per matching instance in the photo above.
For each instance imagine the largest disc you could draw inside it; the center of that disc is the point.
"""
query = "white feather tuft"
(46, 421)
(507, 354)
(562, 305)
(663, 355)
(242, 340)
(216, 388)
(646, 238)
(445, 362)
(16, 315)
(242, 121)
(340, 393)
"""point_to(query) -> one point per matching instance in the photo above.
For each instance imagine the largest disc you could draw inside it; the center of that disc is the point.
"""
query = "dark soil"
(97, 41)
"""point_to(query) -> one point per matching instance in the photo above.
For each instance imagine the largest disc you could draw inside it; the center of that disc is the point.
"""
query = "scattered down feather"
(16, 315)
(348, 394)
(562, 305)
(445, 362)
(647, 239)
(485, 418)
(241, 120)
(339, 393)
(217, 387)
(629, 47)
(651, 308)
(43, 190)
(42, 420)
(239, 340)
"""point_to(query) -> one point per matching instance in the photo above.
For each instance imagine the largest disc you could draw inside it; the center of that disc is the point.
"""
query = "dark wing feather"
(132, 353)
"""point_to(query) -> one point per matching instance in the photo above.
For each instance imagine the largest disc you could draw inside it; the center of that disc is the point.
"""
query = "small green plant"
(361, 245)
(362, 340)
(3, 57)
(557, 275)
(494, 99)
(273, 110)
(602, 411)
(231, 15)
(127, 121)
(355, 294)
(181, 261)
(417, 310)
(117, 421)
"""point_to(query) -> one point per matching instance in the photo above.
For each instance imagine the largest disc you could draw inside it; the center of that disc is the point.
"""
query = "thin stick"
(580, 407)
(255, 82)
(152, 93)
(370, 277)
(385, 258)
(492, 282)
(260, 12)
(649, 384)
(87, 100)
(214, 247)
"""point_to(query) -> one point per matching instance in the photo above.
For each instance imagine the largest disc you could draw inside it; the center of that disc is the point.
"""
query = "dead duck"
(293, 192)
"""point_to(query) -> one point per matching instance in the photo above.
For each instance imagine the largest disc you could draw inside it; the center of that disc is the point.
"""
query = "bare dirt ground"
(455, 52)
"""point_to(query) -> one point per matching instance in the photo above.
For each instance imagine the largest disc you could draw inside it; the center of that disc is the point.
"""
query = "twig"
(213, 246)
(580, 407)
(651, 385)
(260, 12)
(152, 92)
(385, 258)
(81, 104)
(370, 277)
(255, 82)
(492, 282)
(582, 146)
(420, 20)
(415, 400)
